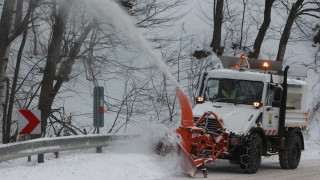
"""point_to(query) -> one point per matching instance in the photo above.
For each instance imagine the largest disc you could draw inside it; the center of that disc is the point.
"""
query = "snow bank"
(108, 165)
(131, 159)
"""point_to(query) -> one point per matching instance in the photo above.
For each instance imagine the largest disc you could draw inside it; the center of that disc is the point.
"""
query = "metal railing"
(50, 145)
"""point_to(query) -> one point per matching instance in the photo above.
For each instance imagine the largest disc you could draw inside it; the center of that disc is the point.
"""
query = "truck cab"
(256, 101)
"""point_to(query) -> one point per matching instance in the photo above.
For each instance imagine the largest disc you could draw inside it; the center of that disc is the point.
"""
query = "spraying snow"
(151, 135)
(142, 149)
(122, 23)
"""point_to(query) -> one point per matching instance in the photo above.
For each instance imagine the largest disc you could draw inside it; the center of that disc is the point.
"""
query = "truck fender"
(259, 130)
(297, 131)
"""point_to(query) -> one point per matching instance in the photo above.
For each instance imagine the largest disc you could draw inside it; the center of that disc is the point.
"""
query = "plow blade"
(188, 166)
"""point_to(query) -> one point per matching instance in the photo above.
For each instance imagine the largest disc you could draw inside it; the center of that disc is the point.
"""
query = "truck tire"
(235, 157)
(234, 161)
(250, 159)
(289, 158)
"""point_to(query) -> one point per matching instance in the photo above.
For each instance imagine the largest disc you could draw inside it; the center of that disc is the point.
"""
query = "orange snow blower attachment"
(198, 145)
(187, 116)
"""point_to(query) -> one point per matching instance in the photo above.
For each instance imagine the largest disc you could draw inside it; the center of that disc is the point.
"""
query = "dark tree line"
(296, 10)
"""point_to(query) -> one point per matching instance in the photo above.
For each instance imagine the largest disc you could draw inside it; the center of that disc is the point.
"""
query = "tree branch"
(24, 25)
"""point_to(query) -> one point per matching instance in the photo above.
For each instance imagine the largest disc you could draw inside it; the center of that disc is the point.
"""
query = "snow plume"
(148, 137)
(145, 145)
(120, 20)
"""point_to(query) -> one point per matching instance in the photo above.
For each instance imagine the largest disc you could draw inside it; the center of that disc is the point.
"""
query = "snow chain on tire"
(250, 158)
(290, 157)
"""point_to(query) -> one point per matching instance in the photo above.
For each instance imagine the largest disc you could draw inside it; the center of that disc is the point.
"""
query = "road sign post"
(29, 123)
(98, 110)
(28, 137)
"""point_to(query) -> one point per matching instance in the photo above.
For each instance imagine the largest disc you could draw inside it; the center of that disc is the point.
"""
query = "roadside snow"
(312, 150)
(126, 159)
(130, 160)
(88, 165)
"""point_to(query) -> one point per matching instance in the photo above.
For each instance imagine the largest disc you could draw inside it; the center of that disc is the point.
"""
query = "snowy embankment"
(131, 159)
(84, 165)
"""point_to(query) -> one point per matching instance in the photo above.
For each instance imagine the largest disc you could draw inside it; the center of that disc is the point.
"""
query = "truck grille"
(212, 125)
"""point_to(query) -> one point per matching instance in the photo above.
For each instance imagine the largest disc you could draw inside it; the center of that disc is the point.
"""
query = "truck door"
(270, 121)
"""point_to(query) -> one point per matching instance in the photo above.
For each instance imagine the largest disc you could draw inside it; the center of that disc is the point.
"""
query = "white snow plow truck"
(249, 109)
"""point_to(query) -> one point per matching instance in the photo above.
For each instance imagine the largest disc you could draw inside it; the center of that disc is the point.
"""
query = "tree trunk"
(6, 24)
(49, 90)
(286, 32)
(66, 66)
(5, 106)
(13, 89)
(35, 38)
(218, 18)
(47, 93)
(19, 11)
(9, 31)
(242, 23)
(263, 29)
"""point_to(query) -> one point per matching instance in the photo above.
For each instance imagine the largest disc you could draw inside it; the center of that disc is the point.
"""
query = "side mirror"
(277, 96)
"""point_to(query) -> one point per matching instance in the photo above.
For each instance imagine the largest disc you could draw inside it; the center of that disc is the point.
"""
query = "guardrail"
(50, 145)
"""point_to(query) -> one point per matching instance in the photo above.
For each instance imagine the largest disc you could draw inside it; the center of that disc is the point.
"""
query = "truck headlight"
(199, 100)
(257, 104)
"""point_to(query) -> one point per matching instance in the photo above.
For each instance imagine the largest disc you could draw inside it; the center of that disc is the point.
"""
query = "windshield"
(233, 91)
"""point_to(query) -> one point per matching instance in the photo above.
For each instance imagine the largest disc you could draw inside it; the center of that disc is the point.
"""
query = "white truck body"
(239, 118)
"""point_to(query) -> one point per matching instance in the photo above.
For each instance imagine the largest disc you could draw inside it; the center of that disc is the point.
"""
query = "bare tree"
(6, 23)
(244, 2)
(263, 29)
(218, 19)
(8, 118)
(12, 27)
(296, 10)
(52, 80)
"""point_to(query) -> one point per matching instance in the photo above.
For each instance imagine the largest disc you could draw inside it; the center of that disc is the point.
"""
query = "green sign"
(98, 106)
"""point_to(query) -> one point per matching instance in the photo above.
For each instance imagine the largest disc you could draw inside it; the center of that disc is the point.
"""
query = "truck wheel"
(235, 158)
(290, 157)
(250, 159)
(234, 161)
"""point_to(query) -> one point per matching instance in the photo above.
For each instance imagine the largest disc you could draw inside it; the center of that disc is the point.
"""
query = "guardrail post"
(28, 137)
(40, 158)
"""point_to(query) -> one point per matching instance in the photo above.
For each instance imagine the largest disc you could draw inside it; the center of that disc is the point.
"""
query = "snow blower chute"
(197, 145)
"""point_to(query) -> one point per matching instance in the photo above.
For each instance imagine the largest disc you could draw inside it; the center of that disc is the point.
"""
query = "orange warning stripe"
(270, 132)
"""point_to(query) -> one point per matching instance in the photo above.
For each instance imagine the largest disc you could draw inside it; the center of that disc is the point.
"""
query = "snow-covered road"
(309, 168)
(135, 161)
(270, 169)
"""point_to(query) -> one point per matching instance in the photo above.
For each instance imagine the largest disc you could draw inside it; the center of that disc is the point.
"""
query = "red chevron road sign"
(29, 122)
